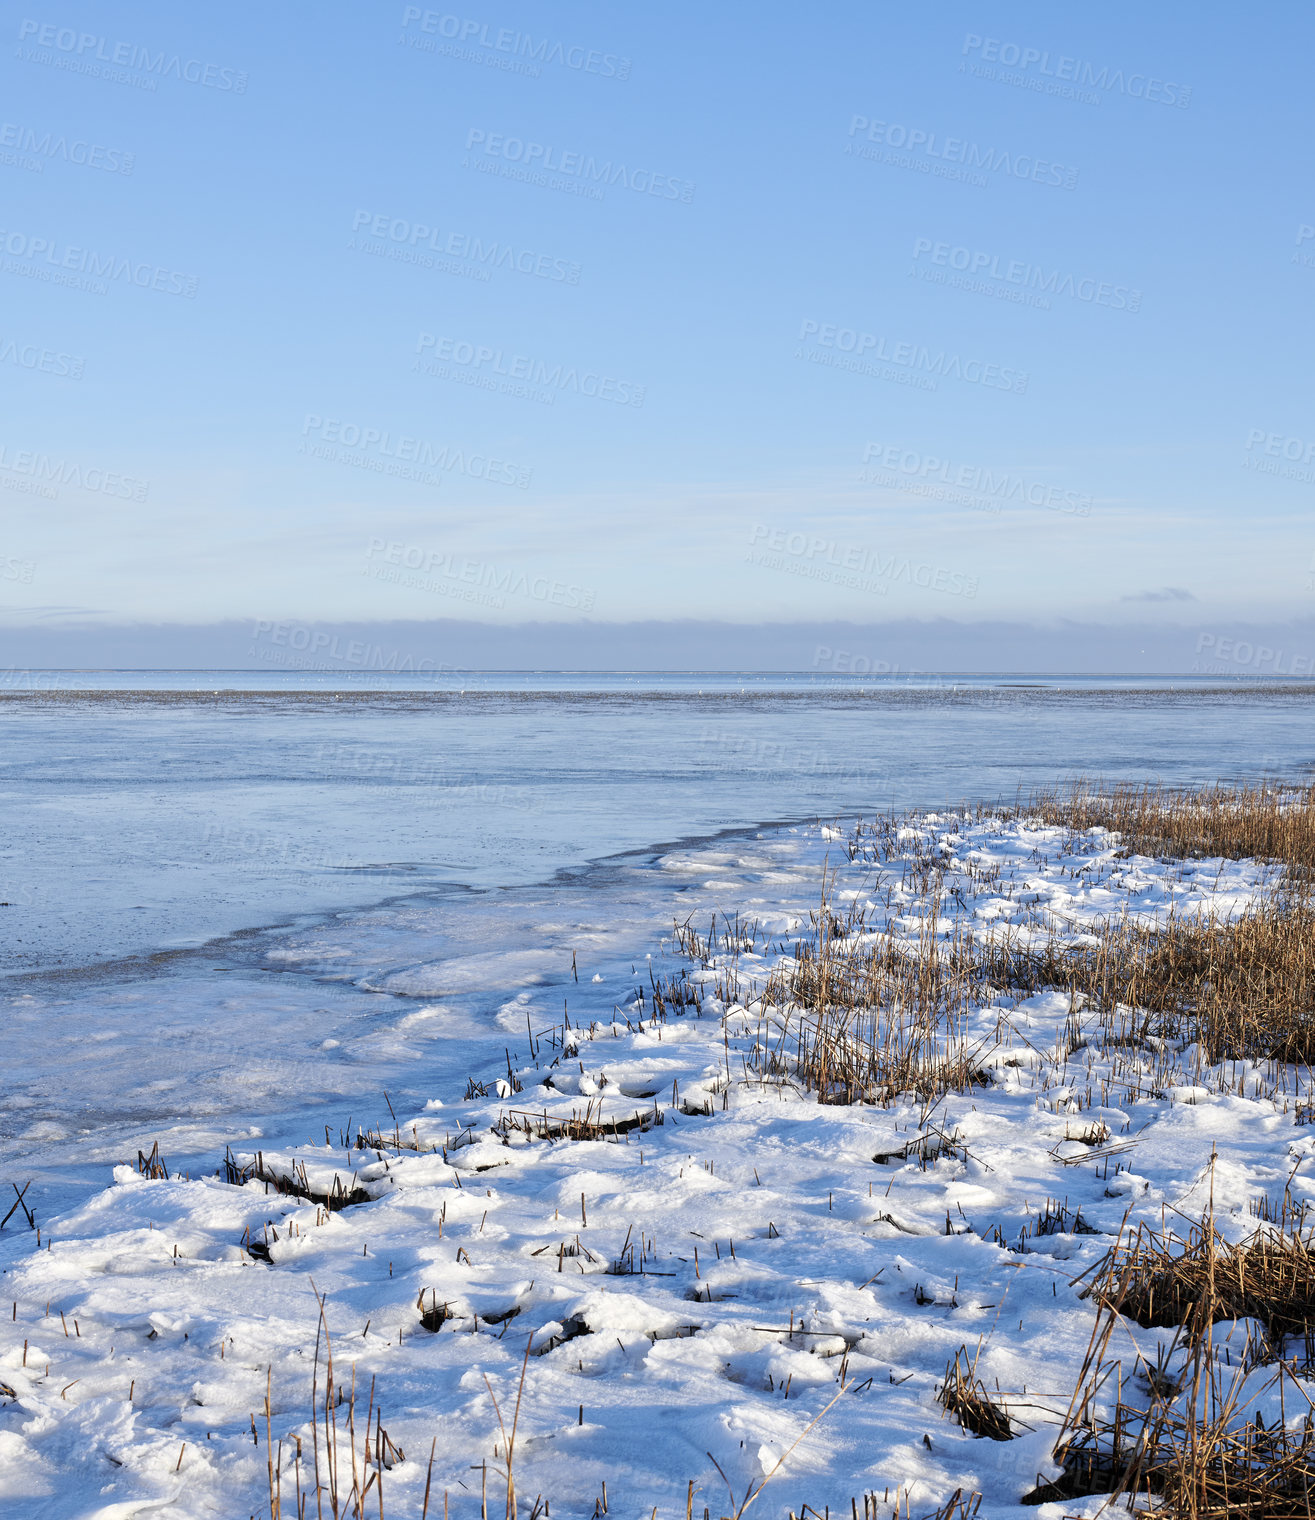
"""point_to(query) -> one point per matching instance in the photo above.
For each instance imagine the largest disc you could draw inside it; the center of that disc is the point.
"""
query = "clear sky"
(510, 311)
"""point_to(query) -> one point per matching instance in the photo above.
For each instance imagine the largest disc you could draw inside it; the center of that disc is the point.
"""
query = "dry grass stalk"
(152, 1165)
(294, 1183)
(959, 1506)
(509, 1440)
(1194, 1454)
(20, 1204)
(346, 1489)
(586, 1126)
(872, 1018)
(754, 1490)
(965, 1397)
(1244, 985)
(436, 1315)
(380, 1140)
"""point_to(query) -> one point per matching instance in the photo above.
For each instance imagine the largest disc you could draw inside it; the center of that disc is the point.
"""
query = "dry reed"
(1198, 1446)
(1244, 985)
(963, 1395)
(345, 1485)
(1262, 820)
(1160, 1279)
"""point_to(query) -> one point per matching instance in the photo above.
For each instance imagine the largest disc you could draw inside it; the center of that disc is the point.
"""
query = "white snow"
(693, 1286)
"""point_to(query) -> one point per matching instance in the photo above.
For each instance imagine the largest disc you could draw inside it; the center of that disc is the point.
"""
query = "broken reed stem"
(964, 1396)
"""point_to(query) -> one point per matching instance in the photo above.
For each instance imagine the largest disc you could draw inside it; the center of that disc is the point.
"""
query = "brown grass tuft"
(1161, 1279)
(1245, 986)
(965, 1397)
(1195, 1454)
(1197, 1445)
(1263, 820)
(873, 1020)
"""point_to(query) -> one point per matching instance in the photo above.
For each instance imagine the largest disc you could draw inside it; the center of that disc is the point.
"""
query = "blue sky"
(881, 313)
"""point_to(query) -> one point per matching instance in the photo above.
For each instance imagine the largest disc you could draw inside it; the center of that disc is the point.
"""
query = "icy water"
(243, 905)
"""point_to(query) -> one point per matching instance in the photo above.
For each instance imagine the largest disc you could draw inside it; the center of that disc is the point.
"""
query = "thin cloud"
(1164, 594)
(54, 610)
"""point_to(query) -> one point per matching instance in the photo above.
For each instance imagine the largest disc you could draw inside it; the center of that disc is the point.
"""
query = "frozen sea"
(244, 905)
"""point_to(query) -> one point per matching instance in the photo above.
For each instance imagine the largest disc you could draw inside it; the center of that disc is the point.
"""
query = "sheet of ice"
(279, 1033)
(142, 821)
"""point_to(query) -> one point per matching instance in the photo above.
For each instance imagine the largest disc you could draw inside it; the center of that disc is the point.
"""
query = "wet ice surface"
(149, 820)
(285, 1031)
(764, 1241)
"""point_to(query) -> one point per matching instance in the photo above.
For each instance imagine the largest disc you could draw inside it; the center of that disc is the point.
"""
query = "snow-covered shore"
(700, 1283)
